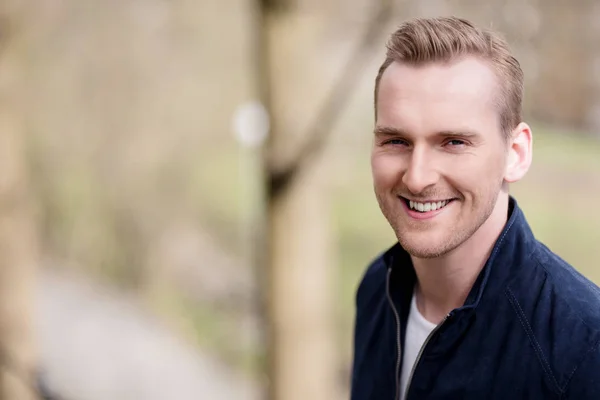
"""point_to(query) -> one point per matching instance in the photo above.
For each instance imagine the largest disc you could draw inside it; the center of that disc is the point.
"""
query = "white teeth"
(426, 207)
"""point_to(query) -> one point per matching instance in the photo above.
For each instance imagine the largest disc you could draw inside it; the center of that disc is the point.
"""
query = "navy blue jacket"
(529, 329)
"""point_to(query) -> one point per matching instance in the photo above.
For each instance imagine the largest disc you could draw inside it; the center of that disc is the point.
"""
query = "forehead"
(438, 96)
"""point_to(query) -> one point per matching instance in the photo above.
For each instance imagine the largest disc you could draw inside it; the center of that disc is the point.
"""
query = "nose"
(420, 173)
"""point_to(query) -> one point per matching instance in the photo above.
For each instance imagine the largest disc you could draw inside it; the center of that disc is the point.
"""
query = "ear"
(519, 154)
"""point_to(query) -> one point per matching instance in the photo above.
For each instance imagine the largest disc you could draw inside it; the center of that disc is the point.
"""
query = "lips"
(426, 206)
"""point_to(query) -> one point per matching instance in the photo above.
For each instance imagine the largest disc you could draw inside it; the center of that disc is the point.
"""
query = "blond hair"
(443, 39)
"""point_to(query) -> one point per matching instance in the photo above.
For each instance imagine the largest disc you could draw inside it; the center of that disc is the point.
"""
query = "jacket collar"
(514, 245)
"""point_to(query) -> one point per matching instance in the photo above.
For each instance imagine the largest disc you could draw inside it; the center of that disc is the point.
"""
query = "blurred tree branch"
(335, 103)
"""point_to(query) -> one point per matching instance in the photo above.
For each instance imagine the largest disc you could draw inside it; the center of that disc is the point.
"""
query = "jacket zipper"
(399, 340)
(398, 337)
(421, 352)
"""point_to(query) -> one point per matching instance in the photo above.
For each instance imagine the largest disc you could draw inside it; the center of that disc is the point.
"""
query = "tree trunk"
(301, 272)
(18, 250)
(298, 282)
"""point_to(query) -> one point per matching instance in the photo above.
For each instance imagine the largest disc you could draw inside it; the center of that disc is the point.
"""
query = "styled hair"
(444, 39)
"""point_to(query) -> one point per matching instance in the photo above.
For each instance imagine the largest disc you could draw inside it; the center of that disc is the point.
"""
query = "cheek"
(495, 168)
(476, 177)
(386, 169)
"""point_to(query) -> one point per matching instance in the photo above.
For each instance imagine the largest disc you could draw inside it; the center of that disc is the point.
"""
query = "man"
(467, 304)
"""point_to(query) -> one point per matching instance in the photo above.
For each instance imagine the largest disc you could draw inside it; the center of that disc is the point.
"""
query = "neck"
(445, 282)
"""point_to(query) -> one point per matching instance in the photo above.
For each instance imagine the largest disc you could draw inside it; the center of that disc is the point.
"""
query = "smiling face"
(439, 158)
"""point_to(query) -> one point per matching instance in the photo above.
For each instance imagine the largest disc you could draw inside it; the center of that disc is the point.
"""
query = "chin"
(426, 252)
(426, 245)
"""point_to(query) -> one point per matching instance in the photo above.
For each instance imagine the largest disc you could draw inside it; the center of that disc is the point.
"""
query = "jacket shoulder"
(569, 337)
(373, 338)
(372, 283)
(580, 294)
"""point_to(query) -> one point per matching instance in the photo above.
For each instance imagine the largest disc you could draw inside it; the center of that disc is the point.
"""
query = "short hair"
(444, 39)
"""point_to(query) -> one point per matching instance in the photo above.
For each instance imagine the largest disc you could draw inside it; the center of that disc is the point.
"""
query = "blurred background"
(153, 244)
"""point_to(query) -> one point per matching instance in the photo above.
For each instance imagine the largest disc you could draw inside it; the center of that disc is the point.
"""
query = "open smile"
(425, 209)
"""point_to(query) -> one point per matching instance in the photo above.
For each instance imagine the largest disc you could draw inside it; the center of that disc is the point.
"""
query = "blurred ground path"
(97, 345)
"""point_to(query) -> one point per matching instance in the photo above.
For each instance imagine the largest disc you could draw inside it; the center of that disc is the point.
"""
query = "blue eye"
(456, 142)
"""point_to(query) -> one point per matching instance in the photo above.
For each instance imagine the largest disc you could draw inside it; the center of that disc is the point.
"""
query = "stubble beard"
(457, 233)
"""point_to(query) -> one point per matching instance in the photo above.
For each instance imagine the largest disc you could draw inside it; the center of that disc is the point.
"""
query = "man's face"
(439, 156)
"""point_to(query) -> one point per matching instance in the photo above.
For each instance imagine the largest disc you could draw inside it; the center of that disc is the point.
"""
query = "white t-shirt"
(417, 330)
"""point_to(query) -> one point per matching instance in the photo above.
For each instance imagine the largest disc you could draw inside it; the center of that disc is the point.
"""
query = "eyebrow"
(390, 131)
